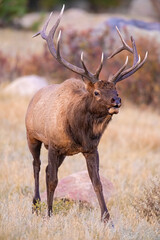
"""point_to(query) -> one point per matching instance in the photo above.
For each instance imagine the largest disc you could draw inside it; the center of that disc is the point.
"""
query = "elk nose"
(116, 101)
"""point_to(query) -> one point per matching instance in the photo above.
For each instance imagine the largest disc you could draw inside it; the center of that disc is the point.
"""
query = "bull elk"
(70, 117)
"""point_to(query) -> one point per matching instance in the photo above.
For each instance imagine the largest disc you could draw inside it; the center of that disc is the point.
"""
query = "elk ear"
(110, 78)
(88, 85)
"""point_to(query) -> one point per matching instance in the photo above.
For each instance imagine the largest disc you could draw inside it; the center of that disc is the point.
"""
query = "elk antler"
(137, 63)
(56, 51)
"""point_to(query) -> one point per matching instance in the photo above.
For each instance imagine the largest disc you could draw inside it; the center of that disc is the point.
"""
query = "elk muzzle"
(115, 105)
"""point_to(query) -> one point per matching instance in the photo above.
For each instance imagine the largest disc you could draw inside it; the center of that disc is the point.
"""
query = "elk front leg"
(54, 161)
(92, 160)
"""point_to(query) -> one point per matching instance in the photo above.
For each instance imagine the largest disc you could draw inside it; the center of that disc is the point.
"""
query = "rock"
(26, 86)
(121, 22)
(78, 187)
(29, 20)
(127, 27)
(145, 8)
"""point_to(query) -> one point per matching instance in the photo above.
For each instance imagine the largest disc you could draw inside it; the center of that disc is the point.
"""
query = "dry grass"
(147, 203)
(129, 156)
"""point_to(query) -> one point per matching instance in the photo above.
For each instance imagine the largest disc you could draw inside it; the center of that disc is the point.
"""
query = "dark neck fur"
(85, 124)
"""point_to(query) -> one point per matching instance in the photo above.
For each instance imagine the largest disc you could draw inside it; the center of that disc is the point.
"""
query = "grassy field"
(129, 157)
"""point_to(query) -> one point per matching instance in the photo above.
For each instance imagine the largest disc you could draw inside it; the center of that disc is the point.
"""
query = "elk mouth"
(114, 109)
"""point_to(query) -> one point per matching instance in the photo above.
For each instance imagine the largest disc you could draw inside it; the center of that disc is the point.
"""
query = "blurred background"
(88, 26)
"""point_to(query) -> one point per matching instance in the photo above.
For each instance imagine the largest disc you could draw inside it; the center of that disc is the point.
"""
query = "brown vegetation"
(147, 203)
(143, 88)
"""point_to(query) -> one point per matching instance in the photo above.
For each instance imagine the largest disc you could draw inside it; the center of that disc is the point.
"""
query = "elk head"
(103, 91)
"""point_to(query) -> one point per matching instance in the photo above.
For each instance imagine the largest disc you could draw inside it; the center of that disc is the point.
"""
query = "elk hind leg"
(35, 147)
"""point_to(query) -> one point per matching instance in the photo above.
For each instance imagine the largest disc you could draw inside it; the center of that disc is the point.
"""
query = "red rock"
(78, 187)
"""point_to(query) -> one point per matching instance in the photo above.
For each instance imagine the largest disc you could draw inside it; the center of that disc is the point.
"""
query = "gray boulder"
(29, 21)
(26, 86)
(144, 8)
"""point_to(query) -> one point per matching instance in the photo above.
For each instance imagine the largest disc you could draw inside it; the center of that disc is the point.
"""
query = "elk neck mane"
(85, 124)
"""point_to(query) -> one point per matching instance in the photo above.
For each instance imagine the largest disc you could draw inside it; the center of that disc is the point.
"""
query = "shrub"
(10, 67)
(95, 5)
(101, 4)
(60, 206)
(49, 4)
(147, 203)
(12, 8)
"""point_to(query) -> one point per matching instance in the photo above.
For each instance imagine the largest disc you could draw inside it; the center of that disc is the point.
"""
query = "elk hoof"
(36, 207)
(105, 217)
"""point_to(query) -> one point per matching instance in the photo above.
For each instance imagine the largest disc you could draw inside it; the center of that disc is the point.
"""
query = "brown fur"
(68, 118)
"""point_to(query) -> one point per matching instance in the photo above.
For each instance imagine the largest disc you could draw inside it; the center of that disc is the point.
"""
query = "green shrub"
(12, 8)
(60, 206)
(48, 4)
(101, 4)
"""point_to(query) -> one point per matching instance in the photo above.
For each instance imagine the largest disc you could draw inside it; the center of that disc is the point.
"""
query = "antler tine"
(100, 66)
(120, 49)
(53, 29)
(115, 76)
(132, 70)
(136, 59)
(123, 73)
(125, 45)
(58, 46)
(83, 64)
(94, 77)
(43, 32)
(135, 53)
(50, 36)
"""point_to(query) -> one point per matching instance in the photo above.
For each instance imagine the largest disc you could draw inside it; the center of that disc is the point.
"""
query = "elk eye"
(96, 93)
